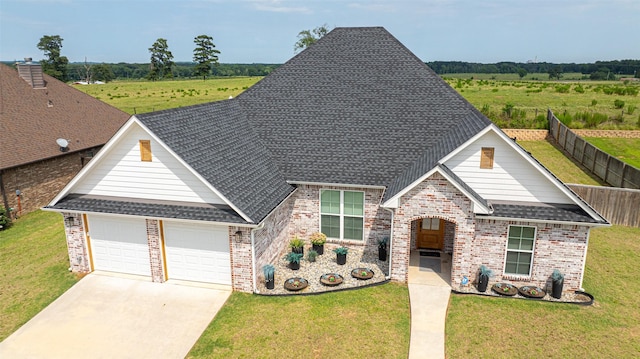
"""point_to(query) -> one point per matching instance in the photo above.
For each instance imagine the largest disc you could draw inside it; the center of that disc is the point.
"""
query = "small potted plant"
(269, 271)
(382, 248)
(557, 283)
(311, 256)
(294, 260)
(341, 255)
(297, 245)
(483, 278)
(318, 240)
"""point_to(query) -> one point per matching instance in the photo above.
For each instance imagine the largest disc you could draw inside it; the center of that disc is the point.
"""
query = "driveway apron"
(114, 317)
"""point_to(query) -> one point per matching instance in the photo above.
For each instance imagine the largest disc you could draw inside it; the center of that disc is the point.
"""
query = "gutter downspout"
(253, 256)
(390, 240)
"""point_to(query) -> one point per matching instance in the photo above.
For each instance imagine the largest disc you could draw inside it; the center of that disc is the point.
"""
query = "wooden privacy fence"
(617, 205)
(606, 167)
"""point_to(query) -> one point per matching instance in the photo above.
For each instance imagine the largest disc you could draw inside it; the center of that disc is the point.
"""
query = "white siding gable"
(121, 173)
(512, 177)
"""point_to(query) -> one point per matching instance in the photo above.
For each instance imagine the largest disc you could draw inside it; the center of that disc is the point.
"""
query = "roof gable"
(31, 119)
(217, 141)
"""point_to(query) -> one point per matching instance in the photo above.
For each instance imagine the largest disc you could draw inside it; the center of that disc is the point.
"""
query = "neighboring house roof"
(33, 118)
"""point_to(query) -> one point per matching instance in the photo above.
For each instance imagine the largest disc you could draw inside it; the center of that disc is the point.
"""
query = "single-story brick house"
(355, 137)
(35, 111)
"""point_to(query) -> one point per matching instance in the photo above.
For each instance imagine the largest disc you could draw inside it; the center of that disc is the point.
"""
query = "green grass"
(482, 327)
(33, 268)
(530, 99)
(537, 76)
(560, 165)
(146, 96)
(367, 323)
(625, 149)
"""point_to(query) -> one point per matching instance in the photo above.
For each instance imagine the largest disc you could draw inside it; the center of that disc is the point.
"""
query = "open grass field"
(524, 104)
(482, 327)
(569, 76)
(147, 96)
(510, 103)
(33, 268)
(367, 323)
(625, 149)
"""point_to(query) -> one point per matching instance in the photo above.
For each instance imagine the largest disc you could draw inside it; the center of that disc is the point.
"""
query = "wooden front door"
(430, 233)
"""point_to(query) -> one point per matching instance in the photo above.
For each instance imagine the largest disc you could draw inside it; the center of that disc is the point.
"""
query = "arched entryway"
(432, 239)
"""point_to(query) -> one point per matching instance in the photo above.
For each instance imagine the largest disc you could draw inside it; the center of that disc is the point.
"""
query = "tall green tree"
(307, 38)
(555, 73)
(522, 72)
(103, 72)
(161, 60)
(54, 64)
(205, 54)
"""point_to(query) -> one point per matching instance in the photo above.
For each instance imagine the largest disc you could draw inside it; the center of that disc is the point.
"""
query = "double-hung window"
(520, 250)
(342, 214)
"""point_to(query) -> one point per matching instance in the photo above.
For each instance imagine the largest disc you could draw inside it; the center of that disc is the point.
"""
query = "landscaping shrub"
(618, 103)
(4, 219)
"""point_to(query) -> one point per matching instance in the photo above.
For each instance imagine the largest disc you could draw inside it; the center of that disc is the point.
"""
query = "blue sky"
(264, 31)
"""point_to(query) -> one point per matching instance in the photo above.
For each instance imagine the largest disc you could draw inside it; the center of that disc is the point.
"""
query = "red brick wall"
(39, 182)
(76, 242)
(557, 246)
(241, 259)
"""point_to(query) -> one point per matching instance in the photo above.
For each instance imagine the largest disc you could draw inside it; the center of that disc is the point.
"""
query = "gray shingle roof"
(358, 107)
(149, 208)
(217, 141)
(542, 211)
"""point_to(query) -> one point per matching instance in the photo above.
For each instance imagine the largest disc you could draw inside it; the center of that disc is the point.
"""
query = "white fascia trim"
(165, 219)
(326, 184)
(95, 160)
(514, 219)
(467, 143)
(194, 172)
(393, 201)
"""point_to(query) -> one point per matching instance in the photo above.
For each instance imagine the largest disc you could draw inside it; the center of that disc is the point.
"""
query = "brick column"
(155, 251)
(76, 242)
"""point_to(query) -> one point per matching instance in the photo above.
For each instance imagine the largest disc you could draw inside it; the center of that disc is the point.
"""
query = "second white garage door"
(197, 252)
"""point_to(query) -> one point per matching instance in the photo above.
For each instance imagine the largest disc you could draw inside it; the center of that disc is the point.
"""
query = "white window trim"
(342, 215)
(533, 250)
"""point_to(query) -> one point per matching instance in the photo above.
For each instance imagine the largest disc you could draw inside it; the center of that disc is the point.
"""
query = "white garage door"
(197, 252)
(119, 244)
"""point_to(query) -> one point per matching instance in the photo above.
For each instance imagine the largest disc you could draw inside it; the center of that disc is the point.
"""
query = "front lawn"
(483, 327)
(33, 268)
(367, 323)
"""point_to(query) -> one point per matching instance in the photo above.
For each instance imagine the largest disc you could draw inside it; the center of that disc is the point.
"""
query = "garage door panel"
(197, 252)
(119, 244)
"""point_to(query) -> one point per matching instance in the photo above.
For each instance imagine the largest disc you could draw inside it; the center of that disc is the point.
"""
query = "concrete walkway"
(118, 317)
(429, 293)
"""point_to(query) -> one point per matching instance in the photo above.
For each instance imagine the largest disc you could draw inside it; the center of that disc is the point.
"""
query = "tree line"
(205, 63)
(599, 68)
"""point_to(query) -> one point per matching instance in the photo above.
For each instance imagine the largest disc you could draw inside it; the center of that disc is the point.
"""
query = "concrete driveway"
(115, 317)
